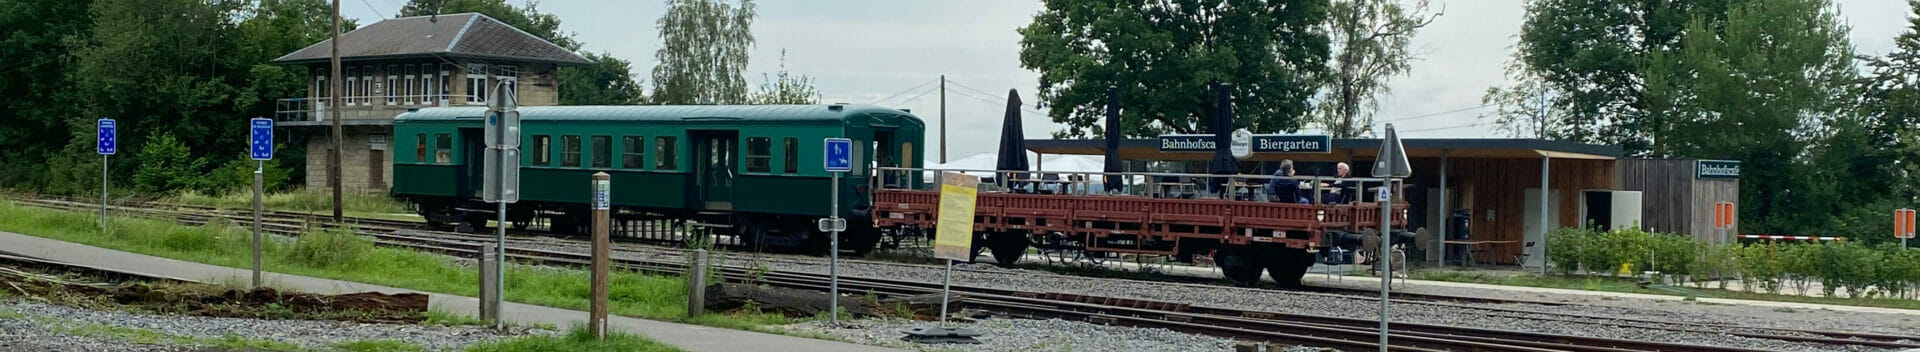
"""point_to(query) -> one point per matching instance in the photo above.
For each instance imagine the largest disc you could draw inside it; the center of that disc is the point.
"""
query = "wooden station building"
(1495, 182)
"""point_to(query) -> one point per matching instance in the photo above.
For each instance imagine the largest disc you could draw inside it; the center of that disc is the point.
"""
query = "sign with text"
(106, 129)
(261, 146)
(839, 156)
(953, 230)
(1716, 169)
(1261, 143)
(602, 194)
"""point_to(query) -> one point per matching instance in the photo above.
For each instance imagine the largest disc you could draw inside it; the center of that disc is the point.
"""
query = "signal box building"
(396, 65)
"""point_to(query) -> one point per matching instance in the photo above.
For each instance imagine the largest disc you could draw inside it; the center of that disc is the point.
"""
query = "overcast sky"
(864, 51)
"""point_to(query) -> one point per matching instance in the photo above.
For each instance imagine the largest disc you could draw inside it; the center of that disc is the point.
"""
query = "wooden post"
(697, 284)
(602, 195)
(489, 286)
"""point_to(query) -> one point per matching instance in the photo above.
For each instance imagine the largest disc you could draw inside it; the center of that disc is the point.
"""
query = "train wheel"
(1239, 265)
(1007, 247)
(1288, 265)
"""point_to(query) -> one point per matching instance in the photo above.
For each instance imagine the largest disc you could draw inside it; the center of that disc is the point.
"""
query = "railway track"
(1312, 330)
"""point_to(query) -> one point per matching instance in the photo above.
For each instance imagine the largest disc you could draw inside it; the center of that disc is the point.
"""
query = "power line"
(905, 91)
(1001, 102)
(1476, 124)
(371, 8)
(1482, 106)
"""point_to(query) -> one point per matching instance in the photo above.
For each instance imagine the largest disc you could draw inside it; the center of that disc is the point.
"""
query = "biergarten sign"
(1262, 143)
(1717, 169)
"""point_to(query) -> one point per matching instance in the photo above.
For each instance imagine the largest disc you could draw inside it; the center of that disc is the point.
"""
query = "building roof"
(1149, 149)
(461, 35)
(675, 113)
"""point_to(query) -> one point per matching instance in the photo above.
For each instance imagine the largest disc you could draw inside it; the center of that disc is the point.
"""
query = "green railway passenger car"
(756, 169)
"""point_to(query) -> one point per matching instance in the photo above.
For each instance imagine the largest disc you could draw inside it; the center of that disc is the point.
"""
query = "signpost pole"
(260, 138)
(946, 287)
(602, 199)
(1386, 255)
(259, 166)
(106, 144)
(103, 193)
(833, 262)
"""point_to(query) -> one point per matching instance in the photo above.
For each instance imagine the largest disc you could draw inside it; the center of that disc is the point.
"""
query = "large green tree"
(1890, 110)
(786, 87)
(1590, 56)
(608, 81)
(703, 52)
(39, 99)
(1161, 55)
(1760, 86)
(1369, 41)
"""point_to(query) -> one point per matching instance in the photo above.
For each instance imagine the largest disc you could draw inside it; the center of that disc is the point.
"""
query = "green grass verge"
(577, 339)
(379, 346)
(350, 258)
(1625, 285)
(313, 202)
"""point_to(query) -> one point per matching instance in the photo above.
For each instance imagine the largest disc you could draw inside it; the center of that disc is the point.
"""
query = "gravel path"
(1024, 335)
(1527, 317)
(43, 327)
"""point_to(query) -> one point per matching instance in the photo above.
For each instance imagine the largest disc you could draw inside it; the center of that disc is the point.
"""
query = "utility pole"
(333, 109)
(943, 119)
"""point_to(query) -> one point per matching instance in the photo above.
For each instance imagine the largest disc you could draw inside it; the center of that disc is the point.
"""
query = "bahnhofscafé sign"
(1262, 143)
(1716, 168)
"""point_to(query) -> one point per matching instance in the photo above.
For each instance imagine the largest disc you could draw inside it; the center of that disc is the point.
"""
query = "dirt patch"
(209, 300)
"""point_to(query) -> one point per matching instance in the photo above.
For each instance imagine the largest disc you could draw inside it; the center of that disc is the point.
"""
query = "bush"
(330, 248)
(236, 176)
(1566, 246)
(167, 166)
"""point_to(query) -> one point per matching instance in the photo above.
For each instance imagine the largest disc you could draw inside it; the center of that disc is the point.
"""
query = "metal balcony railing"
(356, 107)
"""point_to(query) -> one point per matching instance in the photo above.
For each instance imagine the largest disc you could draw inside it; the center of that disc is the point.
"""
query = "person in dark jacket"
(1281, 190)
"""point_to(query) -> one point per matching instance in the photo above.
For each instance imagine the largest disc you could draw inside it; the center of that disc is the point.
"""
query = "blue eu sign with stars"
(839, 155)
(107, 144)
(262, 145)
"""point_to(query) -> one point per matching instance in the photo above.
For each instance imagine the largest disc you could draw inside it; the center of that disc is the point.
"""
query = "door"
(716, 155)
(475, 159)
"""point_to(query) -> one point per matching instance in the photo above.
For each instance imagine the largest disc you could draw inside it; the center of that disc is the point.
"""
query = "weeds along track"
(1313, 330)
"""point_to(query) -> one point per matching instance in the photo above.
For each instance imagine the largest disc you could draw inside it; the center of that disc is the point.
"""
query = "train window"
(633, 152)
(602, 151)
(442, 148)
(542, 150)
(664, 157)
(792, 148)
(420, 148)
(759, 154)
(859, 154)
(570, 151)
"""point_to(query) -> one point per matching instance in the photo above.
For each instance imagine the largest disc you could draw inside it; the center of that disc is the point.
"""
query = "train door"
(715, 155)
(475, 159)
(884, 155)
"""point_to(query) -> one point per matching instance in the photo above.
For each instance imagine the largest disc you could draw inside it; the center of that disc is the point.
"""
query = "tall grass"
(350, 258)
(296, 200)
(577, 339)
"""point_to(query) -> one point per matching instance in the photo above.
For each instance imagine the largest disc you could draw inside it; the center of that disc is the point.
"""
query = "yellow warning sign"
(953, 230)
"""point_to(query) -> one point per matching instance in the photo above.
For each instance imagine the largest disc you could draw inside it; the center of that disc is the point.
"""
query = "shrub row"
(1863, 271)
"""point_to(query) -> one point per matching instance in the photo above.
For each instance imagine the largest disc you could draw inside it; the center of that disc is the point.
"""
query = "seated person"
(1339, 191)
(1281, 190)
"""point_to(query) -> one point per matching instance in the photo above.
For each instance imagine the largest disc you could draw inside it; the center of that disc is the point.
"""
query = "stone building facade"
(396, 65)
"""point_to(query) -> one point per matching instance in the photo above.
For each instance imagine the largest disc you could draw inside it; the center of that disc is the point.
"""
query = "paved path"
(689, 337)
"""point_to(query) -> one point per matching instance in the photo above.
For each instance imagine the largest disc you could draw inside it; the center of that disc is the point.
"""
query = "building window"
(570, 151)
(511, 76)
(365, 93)
(602, 151)
(413, 76)
(759, 154)
(392, 88)
(352, 85)
(477, 84)
(442, 148)
(446, 74)
(320, 84)
(792, 161)
(542, 150)
(663, 153)
(633, 150)
(428, 85)
(420, 148)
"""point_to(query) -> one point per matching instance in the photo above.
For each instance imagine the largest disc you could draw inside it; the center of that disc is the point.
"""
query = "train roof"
(669, 113)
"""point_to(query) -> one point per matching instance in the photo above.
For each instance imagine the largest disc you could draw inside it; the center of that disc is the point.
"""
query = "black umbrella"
(1013, 143)
(1113, 139)
(1222, 124)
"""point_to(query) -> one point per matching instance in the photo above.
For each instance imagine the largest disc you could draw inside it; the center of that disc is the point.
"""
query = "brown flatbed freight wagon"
(1243, 236)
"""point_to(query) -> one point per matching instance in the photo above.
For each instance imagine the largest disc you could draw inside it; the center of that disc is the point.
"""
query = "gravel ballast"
(1023, 335)
(52, 328)
(1595, 318)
